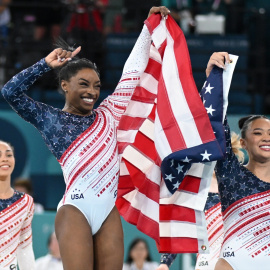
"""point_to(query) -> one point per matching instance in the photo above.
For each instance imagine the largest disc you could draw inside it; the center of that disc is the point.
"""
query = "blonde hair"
(236, 146)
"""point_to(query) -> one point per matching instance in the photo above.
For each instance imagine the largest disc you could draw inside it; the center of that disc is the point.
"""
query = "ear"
(64, 86)
(243, 143)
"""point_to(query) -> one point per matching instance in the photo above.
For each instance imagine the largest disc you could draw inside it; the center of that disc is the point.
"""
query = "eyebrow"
(6, 151)
(87, 80)
(259, 129)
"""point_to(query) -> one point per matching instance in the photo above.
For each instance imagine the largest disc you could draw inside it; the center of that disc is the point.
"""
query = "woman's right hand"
(59, 57)
(163, 267)
(217, 59)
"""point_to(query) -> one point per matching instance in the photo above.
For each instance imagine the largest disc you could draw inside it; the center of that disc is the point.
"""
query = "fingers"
(218, 59)
(162, 10)
(76, 51)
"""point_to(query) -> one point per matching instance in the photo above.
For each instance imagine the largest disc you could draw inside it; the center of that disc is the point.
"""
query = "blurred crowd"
(28, 28)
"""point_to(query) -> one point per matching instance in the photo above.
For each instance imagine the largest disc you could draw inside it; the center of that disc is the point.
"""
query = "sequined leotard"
(85, 146)
(16, 215)
(245, 203)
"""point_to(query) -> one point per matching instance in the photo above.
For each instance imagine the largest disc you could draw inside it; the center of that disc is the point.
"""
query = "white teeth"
(4, 166)
(265, 146)
(88, 99)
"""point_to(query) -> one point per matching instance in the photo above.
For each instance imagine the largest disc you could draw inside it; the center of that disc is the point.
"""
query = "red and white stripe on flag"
(165, 114)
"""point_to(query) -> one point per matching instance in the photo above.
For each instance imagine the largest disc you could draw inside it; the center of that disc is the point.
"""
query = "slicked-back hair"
(72, 67)
(244, 123)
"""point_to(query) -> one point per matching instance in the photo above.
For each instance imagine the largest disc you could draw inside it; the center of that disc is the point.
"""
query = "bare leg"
(222, 265)
(109, 244)
(75, 239)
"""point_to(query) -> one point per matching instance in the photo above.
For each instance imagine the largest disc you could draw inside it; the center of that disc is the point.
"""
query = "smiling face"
(257, 140)
(82, 92)
(7, 160)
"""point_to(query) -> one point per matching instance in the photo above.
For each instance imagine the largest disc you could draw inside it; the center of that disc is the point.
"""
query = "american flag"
(168, 138)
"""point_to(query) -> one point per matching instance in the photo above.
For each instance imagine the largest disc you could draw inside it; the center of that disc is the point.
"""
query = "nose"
(266, 138)
(91, 90)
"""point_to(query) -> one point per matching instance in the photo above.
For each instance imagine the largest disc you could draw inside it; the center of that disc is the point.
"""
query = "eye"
(257, 133)
(98, 86)
(83, 84)
(9, 155)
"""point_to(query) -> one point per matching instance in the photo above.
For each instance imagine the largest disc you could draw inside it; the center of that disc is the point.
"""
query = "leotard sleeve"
(167, 258)
(229, 156)
(133, 68)
(25, 254)
(15, 89)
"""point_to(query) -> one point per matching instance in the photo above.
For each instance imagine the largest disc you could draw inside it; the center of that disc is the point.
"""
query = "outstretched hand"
(217, 59)
(59, 57)
(162, 10)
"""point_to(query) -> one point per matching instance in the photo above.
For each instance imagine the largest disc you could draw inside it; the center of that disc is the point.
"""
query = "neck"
(72, 110)
(260, 169)
(139, 264)
(5, 189)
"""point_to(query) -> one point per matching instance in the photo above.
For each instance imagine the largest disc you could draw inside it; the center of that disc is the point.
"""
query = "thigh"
(109, 243)
(222, 265)
(75, 238)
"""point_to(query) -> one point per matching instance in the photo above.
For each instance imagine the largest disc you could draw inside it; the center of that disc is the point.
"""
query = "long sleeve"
(15, 89)
(133, 68)
(25, 253)
(167, 259)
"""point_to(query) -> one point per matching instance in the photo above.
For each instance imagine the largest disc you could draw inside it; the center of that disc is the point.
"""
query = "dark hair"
(49, 240)
(244, 122)
(9, 144)
(133, 244)
(76, 64)
(23, 182)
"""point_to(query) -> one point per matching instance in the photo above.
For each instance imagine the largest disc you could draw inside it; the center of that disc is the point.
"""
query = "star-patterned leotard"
(16, 215)
(85, 146)
(245, 203)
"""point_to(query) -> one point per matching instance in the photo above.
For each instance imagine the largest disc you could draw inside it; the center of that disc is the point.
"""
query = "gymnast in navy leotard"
(83, 140)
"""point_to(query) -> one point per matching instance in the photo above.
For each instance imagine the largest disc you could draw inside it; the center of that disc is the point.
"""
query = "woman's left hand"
(217, 59)
(162, 10)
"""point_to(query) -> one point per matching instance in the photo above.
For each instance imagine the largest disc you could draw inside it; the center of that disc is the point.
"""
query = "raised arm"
(133, 68)
(15, 89)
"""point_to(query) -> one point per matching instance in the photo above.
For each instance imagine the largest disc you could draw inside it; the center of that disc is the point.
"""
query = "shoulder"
(43, 259)
(153, 265)
(29, 198)
(126, 266)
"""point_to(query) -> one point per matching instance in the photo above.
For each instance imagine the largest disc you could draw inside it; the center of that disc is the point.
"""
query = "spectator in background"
(135, 12)
(25, 185)
(181, 12)
(113, 17)
(84, 26)
(4, 20)
(49, 17)
(52, 261)
(139, 257)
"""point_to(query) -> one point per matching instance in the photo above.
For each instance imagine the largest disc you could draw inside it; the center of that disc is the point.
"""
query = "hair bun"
(242, 121)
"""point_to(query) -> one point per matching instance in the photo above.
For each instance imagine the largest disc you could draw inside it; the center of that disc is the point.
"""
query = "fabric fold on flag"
(168, 138)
